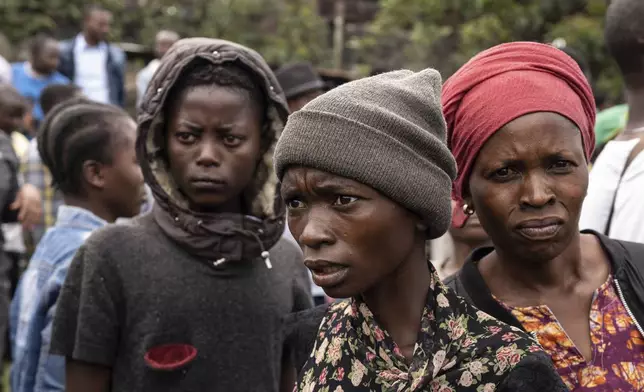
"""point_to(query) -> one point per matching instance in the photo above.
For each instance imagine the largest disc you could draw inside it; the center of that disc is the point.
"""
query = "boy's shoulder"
(124, 234)
(289, 259)
(286, 250)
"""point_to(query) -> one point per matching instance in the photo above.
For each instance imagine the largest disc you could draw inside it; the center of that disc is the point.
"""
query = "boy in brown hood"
(193, 296)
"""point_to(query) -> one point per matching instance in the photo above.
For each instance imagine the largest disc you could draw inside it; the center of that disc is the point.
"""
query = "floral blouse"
(618, 359)
(458, 349)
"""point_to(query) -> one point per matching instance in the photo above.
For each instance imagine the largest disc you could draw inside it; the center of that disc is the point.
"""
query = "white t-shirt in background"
(628, 217)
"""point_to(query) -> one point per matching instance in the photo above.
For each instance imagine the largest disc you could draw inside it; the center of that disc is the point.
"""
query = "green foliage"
(406, 33)
(445, 34)
(282, 30)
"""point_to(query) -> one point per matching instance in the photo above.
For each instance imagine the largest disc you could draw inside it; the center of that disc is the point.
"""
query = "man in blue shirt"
(32, 76)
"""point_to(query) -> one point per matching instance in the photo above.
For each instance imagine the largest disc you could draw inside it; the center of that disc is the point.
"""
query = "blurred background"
(344, 38)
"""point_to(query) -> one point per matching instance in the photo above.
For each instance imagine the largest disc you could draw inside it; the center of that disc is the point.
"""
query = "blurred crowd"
(256, 230)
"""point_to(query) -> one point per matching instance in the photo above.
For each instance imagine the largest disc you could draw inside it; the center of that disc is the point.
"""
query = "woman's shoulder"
(535, 372)
(496, 345)
(621, 254)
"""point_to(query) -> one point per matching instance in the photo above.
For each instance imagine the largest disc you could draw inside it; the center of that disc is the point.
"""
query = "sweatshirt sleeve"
(303, 327)
(86, 324)
(535, 373)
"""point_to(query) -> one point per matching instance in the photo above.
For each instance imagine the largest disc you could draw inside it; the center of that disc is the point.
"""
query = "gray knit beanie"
(387, 132)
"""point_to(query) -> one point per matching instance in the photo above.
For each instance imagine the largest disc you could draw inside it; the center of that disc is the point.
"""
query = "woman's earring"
(421, 227)
(469, 211)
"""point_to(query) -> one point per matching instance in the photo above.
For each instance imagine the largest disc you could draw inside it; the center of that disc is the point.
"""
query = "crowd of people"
(254, 230)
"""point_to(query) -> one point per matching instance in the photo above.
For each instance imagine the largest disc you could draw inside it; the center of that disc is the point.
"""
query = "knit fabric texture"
(387, 132)
(298, 79)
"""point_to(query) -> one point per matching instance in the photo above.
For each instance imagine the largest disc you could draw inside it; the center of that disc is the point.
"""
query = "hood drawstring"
(265, 254)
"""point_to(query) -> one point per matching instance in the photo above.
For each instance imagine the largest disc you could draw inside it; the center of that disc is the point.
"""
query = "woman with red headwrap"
(520, 120)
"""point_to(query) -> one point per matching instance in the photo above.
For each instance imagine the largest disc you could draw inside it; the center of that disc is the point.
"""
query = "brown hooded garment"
(182, 301)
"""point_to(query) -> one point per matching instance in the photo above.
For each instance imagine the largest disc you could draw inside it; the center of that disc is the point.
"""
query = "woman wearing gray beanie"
(366, 176)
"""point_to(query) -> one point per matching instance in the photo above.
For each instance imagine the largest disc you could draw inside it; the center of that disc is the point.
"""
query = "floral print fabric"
(458, 349)
(618, 359)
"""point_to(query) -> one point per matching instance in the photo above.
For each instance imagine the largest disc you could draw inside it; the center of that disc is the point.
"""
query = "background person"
(31, 77)
(162, 43)
(91, 62)
(89, 150)
(33, 170)
(614, 205)
(301, 84)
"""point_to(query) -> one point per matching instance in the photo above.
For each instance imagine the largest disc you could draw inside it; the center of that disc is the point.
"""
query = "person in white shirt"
(162, 43)
(614, 202)
(5, 71)
(92, 63)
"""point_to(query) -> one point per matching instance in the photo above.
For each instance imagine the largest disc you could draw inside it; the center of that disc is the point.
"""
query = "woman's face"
(352, 237)
(528, 185)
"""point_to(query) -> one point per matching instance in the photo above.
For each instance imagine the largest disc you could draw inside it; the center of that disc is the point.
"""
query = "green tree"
(445, 34)
(281, 30)
(22, 19)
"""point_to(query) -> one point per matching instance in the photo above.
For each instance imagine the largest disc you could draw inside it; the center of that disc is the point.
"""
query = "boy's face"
(12, 113)
(214, 146)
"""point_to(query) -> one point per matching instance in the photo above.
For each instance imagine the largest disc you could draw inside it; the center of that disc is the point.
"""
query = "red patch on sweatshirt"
(170, 356)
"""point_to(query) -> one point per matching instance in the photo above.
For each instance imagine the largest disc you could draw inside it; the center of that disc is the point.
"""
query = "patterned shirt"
(618, 347)
(459, 349)
(35, 173)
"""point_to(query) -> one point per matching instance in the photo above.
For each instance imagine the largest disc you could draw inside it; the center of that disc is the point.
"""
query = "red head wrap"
(504, 83)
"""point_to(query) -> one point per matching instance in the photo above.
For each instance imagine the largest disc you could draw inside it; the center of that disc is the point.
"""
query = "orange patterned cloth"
(618, 359)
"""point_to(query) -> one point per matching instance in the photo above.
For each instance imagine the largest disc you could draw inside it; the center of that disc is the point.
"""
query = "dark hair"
(8, 93)
(55, 94)
(233, 77)
(624, 32)
(38, 43)
(74, 132)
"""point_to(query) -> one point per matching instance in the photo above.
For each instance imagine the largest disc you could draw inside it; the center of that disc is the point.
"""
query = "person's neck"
(398, 302)
(561, 272)
(97, 209)
(635, 100)
(90, 40)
